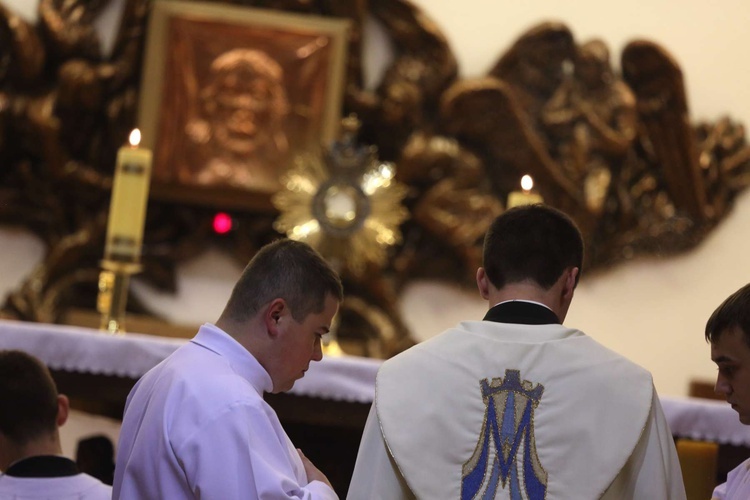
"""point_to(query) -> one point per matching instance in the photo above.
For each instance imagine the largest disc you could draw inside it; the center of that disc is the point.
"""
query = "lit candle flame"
(527, 183)
(135, 137)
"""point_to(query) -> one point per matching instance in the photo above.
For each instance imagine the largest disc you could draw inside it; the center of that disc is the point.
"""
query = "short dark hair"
(734, 312)
(29, 397)
(531, 242)
(285, 269)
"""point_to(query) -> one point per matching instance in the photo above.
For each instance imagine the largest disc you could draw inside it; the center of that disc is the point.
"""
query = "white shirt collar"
(524, 300)
(240, 359)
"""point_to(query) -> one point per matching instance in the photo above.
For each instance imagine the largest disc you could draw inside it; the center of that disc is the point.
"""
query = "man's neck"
(529, 292)
(522, 300)
(12, 452)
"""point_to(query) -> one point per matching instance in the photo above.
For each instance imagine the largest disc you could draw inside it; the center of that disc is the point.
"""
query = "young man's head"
(288, 295)
(531, 242)
(536, 246)
(284, 269)
(33, 410)
(728, 331)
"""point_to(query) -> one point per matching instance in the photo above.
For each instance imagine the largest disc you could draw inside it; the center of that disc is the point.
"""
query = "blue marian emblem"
(505, 463)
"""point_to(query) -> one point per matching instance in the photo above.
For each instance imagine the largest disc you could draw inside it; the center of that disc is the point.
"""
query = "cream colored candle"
(699, 462)
(127, 209)
(525, 197)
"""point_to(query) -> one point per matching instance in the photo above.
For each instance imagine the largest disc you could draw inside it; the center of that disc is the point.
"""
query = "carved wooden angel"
(407, 95)
(618, 154)
(501, 116)
(668, 137)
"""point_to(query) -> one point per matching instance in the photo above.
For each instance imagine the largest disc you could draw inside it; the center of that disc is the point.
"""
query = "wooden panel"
(703, 389)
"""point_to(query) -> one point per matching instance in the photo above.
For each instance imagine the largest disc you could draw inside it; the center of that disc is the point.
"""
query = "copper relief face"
(238, 103)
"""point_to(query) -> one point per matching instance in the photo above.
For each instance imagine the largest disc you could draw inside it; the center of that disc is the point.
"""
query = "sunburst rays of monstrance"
(346, 204)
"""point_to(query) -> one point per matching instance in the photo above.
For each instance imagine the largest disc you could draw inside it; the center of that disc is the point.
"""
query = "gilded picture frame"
(230, 95)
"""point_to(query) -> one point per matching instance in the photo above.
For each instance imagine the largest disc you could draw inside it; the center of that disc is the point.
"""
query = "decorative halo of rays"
(352, 216)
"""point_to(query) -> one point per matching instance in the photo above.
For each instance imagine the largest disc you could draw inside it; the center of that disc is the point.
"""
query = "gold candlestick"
(114, 281)
(127, 215)
(525, 197)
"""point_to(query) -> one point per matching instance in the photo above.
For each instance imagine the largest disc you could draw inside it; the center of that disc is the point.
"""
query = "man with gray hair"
(196, 425)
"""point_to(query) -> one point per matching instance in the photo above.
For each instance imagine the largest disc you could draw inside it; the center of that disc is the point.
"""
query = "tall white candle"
(127, 209)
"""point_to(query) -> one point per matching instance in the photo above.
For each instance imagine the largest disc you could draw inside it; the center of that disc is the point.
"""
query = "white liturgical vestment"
(515, 411)
(78, 487)
(196, 426)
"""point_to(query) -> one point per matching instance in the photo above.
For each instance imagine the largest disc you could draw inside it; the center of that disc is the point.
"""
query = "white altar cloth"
(345, 378)
(705, 420)
(77, 349)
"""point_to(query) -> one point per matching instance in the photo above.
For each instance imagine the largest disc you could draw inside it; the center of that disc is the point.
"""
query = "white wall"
(653, 311)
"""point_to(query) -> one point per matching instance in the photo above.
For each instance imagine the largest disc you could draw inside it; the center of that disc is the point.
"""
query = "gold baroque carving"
(615, 148)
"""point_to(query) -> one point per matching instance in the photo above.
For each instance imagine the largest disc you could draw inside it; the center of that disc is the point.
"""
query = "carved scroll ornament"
(613, 147)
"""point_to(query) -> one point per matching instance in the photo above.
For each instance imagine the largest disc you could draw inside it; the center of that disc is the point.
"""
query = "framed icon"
(231, 95)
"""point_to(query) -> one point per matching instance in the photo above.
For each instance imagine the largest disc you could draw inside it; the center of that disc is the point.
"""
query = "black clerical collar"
(522, 313)
(43, 466)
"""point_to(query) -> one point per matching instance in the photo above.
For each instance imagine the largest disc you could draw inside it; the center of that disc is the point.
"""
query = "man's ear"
(570, 282)
(63, 409)
(483, 283)
(275, 312)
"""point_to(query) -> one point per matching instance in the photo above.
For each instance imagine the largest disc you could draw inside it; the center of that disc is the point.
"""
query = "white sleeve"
(653, 470)
(737, 484)
(719, 492)
(376, 475)
(239, 455)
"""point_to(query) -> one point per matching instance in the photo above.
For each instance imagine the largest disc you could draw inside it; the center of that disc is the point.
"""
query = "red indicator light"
(222, 223)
